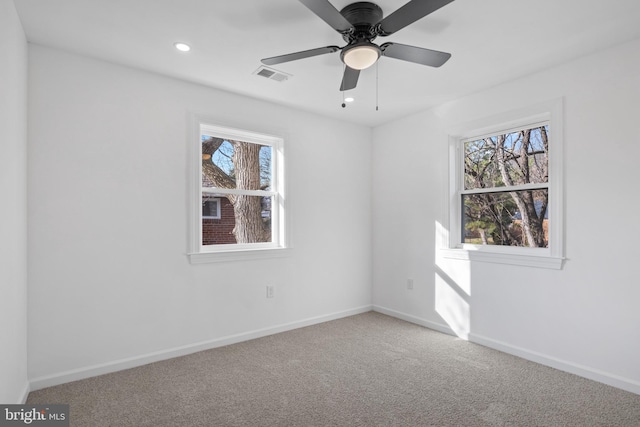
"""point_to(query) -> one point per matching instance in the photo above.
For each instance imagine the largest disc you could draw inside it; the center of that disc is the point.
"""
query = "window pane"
(235, 164)
(210, 206)
(514, 158)
(243, 219)
(517, 218)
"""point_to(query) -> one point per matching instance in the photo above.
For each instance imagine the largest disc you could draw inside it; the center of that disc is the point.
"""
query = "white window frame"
(199, 253)
(218, 208)
(551, 257)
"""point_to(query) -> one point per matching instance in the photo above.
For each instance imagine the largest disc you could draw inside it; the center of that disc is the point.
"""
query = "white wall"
(110, 285)
(13, 208)
(584, 318)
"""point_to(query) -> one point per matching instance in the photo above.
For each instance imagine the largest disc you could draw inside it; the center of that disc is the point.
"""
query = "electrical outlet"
(271, 291)
(410, 284)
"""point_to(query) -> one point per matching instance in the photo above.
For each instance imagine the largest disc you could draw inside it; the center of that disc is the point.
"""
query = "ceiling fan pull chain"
(344, 104)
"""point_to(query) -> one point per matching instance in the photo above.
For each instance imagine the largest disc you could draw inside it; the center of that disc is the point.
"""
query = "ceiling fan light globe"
(361, 57)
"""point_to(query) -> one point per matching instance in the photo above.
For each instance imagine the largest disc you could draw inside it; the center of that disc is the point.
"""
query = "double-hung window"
(237, 194)
(505, 198)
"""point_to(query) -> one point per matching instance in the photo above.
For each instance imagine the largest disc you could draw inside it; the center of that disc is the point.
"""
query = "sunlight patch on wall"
(453, 308)
(452, 288)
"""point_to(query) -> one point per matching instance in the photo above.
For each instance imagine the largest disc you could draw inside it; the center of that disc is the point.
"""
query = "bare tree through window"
(241, 172)
(506, 189)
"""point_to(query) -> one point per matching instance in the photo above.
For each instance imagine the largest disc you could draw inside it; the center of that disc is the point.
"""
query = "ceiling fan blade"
(349, 79)
(419, 55)
(329, 14)
(408, 14)
(300, 55)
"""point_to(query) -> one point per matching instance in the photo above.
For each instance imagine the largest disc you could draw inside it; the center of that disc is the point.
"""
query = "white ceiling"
(492, 41)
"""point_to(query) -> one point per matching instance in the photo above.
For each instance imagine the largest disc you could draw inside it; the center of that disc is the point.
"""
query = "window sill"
(238, 255)
(553, 263)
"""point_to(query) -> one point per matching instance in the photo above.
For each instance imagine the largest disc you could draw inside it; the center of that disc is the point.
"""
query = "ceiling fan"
(360, 23)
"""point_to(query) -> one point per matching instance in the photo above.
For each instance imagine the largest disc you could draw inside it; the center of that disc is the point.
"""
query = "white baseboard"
(25, 394)
(562, 365)
(132, 362)
(413, 319)
(543, 359)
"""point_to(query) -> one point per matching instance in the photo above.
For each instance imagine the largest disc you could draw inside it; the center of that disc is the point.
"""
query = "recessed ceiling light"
(182, 47)
(349, 99)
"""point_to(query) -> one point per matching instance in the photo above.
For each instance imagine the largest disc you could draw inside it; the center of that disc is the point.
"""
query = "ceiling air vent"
(272, 74)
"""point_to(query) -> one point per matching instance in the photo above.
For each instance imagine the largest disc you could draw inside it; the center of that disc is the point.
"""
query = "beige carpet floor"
(365, 370)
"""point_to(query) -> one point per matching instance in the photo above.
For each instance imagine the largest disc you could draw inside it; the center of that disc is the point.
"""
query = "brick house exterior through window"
(217, 230)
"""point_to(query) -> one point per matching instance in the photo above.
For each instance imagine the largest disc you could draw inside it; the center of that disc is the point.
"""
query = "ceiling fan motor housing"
(363, 16)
